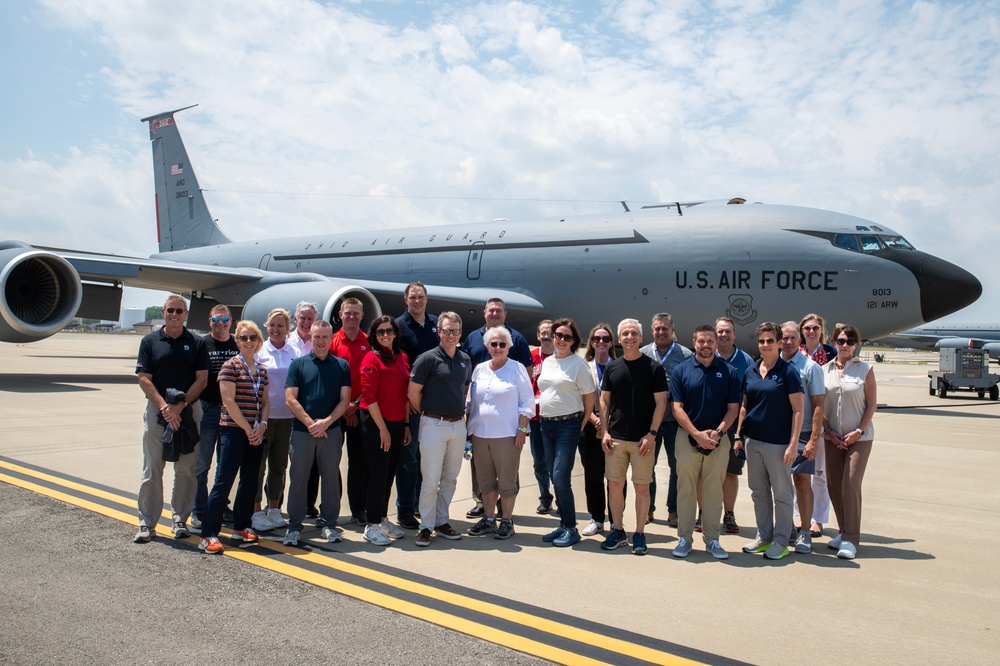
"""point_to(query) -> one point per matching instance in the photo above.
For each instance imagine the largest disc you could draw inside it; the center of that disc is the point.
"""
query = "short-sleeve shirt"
(444, 379)
(562, 384)
(769, 413)
(354, 352)
(414, 338)
(385, 384)
(740, 361)
(319, 383)
(811, 376)
(536, 368)
(669, 360)
(277, 360)
(477, 351)
(845, 402)
(249, 393)
(172, 362)
(705, 391)
(218, 353)
(631, 385)
(498, 398)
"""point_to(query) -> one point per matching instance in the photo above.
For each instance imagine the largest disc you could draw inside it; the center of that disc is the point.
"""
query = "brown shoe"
(447, 531)
(424, 537)
(672, 520)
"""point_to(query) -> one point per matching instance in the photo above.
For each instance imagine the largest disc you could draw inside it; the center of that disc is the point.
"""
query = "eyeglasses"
(247, 338)
(498, 345)
(810, 328)
(850, 342)
(766, 341)
(450, 331)
(563, 336)
(174, 310)
(220, 320)
(382, 332)
(601, 338)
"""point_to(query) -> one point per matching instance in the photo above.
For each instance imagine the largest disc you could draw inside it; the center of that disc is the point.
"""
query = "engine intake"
(327, 295)
(40, 293)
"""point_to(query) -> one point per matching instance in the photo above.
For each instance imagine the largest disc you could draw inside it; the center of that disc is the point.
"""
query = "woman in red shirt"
(385, 377)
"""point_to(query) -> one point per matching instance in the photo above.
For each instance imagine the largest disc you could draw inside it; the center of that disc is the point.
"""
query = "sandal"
(814, 531)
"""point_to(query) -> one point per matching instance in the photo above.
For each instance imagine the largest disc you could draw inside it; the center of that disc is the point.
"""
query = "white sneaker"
(195, 522)
(390, 530)
(259, 522)
(275, 518)
(847, 551)
(593, 528)
(835, 542)
(291, 538)
(331, 535)
(373, 535)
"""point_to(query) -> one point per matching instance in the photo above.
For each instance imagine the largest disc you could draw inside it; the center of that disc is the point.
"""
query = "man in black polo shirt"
(705, 391)
(418, 334)
(170, 358)
(439, 381)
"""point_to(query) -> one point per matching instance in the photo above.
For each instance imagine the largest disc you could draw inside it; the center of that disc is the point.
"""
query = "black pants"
(381, 465)
(592, 457)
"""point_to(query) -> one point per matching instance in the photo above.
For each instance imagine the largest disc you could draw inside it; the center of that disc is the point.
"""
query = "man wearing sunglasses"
(495, 314)
(170, 358)
(221, 347)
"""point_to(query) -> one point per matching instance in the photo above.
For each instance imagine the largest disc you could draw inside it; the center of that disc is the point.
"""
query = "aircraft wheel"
(995, 392)
(931, 389)
(942, 389)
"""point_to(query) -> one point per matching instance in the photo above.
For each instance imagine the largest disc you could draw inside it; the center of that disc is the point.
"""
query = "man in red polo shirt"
(351, 344)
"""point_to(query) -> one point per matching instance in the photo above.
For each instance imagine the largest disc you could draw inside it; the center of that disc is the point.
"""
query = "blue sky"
(885, 110)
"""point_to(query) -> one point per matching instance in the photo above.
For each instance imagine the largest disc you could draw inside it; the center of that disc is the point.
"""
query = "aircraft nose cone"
(944, 287)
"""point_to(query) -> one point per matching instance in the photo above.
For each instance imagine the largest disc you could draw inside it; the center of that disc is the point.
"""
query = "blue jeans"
(235, 455)
(560, 439)
(540, 466)
(209, 444)
(666, 436)
(408, 477)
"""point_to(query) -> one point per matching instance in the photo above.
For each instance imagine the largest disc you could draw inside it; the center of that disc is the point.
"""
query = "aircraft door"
(475, 260)
(264, 261)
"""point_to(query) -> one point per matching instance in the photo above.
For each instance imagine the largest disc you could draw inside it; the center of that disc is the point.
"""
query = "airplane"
(950, 336)
(697, 260)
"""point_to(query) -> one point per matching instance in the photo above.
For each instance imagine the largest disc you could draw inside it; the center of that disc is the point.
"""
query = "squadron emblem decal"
(741, 309)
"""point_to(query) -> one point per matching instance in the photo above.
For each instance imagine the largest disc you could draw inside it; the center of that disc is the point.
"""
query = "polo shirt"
(319, 383)
(740, 360)
(631, 385)
(218, 354)
(172, 362)
(769, 413)
(385, 385)
(444, 379)
(705, 391)
(415, 339)
(478, 352)
(813, 383)
(352, 351)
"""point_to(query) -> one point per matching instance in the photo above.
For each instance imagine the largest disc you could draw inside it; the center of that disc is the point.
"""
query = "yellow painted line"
(438, 617)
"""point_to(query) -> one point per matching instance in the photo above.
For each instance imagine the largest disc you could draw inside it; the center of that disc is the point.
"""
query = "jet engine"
(39, 293)
(326, 294)
(958, 343)
(993, 349)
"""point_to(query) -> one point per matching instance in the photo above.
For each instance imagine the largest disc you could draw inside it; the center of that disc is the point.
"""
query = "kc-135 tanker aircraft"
(696, 260)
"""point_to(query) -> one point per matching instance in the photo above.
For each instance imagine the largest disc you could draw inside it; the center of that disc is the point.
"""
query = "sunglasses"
(601, 338)
(220, 320)
(498, 345)
(247, 338)
(850, 342)
(382, 332)
(563, 336)
(450, 331)
(810, 328)
(766, 341)
(174, 310)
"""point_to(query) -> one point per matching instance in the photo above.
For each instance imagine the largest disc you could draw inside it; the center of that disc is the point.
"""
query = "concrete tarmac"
(920, 590)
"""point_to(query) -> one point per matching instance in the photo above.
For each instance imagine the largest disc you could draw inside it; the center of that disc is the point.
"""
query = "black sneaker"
(408, 522)
(729, 523)
(543, 508)
(505, 530)
(475, 512)
(483, 527)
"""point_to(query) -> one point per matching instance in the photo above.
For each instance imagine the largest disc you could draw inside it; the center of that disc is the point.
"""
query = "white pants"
(442, 444)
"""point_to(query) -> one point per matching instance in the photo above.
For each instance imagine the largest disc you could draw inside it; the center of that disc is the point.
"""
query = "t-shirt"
(705, 391)
(444, 379)
(319, 383)
(218, 354)
(172, 362)
(562, 384)
(498, 398)
(669, 359)
(248, 392)
(631, 385)
(769, 413)
(385, 384)
(536, 368)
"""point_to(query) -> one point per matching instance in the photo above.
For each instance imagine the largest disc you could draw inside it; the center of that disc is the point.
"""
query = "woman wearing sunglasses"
(812, 329)
(499, 404)
(385, 377)
(851, 400)
(245, 408)
(600, 351)
(770, 423)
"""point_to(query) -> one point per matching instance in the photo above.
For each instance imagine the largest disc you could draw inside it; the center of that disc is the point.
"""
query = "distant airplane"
(696, 260)
(950, 336)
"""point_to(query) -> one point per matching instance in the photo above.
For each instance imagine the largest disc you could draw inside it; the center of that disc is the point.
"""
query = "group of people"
(410, 399)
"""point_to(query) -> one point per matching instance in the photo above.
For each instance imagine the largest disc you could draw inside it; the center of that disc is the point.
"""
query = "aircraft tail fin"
(182, 217)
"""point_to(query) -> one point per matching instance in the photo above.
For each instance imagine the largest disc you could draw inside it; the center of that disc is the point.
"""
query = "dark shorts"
(801, 465)
(737, 459)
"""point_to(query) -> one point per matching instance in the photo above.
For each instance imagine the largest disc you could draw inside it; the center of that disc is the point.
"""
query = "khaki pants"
(151, 484)
(711, 469)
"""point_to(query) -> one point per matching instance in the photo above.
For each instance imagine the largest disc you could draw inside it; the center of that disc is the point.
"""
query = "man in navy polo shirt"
(170, 358)
(706, 399)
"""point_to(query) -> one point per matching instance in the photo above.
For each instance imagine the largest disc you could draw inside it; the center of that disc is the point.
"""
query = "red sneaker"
(247, 535)
(211, 545)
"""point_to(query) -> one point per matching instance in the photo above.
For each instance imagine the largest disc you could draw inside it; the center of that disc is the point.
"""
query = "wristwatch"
(653, 433)
(524, 430)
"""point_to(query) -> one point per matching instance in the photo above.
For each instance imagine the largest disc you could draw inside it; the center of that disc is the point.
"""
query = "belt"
(564, 417)
(449, 419)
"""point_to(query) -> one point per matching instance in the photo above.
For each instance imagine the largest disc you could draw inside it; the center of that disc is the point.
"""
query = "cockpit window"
(897, 242)
(870, 244)
(847, 242)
